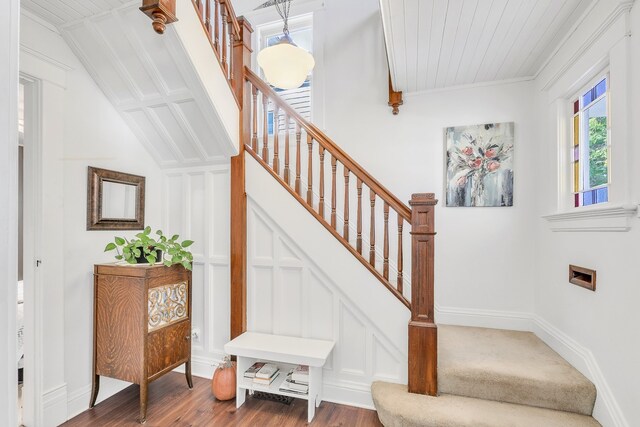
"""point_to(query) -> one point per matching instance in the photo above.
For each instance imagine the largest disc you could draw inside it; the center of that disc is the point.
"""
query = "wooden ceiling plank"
(424, 41)
(411, 28)
(467, 17)
(437, 34)
(510, 15)
(516, 33)
(474, 36)
(537, 25)
(489, 28)
(572, 10)
(451, 31)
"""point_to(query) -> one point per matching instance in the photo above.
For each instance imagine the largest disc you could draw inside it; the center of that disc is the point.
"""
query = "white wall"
(79, 128)
(406, 154)
(9, 26)
(601, 325)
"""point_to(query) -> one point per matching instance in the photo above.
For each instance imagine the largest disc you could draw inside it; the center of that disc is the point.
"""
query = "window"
(591, 144)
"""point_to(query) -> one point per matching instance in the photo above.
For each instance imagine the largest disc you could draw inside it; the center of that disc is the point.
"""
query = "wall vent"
(583, 277)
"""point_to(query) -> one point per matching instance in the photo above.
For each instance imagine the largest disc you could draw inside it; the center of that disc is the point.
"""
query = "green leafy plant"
(147, 245)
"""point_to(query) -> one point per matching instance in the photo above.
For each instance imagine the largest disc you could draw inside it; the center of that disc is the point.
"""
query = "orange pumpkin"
(223, 384)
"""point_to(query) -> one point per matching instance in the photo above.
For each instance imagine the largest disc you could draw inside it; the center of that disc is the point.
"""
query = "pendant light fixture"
(285, 65)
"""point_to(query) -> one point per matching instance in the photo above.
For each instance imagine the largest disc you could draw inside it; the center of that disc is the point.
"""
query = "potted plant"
(223, 384)
(147, 248)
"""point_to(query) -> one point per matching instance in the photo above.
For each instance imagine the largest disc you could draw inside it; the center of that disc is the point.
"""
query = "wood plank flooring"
(171, 403)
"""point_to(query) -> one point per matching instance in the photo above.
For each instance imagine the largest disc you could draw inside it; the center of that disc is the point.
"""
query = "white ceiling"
(60, 12)
(440, 43)
(432, 44)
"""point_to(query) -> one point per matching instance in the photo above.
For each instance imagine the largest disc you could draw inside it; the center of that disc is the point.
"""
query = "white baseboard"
(345, 393)
(517, 321)
(78, 401)
(54, 406)
(202, 366)
(606, 410)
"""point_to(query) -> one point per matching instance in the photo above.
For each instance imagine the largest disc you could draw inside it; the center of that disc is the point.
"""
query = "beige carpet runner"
(491, 377)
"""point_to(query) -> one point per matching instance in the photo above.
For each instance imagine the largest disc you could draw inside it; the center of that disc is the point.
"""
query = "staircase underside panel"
(170, 89)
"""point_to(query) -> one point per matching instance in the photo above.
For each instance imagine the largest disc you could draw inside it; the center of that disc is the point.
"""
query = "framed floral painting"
(479, 165)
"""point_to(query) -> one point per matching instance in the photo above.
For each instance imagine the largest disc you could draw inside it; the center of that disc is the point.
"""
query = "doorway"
(29, 326)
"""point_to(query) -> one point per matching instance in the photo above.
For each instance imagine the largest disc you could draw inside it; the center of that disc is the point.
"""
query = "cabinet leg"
(143, 402)
(187, 373)
(95, 387)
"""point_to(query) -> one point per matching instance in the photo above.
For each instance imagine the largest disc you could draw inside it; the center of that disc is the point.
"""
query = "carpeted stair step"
(398, 408)
(509, 366)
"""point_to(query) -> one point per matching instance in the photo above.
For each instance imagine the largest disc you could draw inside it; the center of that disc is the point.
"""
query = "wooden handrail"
(333, 149)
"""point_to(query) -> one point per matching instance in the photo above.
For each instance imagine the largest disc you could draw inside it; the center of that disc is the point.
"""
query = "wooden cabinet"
(141, 324)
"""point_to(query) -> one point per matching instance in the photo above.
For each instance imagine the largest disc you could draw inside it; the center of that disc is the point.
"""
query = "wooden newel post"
(423, 332)
(241, 57)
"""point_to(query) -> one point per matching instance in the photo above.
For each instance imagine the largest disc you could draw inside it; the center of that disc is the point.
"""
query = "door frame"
(32, 238)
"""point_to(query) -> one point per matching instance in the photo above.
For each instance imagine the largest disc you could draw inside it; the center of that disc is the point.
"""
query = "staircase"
(490, 377)
(481, 377)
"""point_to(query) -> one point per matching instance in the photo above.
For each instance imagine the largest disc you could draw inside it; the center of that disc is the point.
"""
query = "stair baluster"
(321, 178)
(276, 144)
(372, 231)
(385, 264)
(359, 225)
(286, 149)
(345, 232)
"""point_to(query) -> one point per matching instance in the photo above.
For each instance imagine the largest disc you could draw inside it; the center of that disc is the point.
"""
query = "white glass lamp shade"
(285, 65)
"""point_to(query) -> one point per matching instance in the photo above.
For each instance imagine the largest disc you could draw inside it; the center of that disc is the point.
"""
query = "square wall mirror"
(115, 200)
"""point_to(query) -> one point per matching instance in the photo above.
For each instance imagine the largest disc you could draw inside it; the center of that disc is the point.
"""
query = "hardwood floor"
(171, 403)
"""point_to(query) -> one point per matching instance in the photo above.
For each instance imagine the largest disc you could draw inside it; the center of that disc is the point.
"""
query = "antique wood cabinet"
(141, 324)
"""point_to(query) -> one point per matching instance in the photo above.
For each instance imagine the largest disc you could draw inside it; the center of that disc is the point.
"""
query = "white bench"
(287, 353)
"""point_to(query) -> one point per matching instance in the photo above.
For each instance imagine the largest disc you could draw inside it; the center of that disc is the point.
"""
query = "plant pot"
(142, 260)
(223, 384)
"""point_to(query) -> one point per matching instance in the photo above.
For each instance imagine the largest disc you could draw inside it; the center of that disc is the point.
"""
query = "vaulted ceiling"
(434, 44)
(431, 44)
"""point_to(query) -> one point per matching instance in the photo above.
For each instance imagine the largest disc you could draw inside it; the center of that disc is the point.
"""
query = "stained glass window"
(590, 145)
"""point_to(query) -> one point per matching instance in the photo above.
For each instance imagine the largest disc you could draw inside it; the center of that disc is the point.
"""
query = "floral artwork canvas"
(480, 165)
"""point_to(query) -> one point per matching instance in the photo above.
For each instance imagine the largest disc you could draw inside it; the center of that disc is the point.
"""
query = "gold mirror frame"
(95, 221)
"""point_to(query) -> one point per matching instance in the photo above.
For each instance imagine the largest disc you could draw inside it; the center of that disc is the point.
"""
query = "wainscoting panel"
(289, 294)
(196, 206)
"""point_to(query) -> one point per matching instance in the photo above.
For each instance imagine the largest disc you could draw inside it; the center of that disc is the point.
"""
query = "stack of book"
(262, 373)
(297, 380)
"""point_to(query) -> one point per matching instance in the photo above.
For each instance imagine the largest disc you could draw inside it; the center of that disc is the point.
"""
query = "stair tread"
(509, 366)
(398, 408)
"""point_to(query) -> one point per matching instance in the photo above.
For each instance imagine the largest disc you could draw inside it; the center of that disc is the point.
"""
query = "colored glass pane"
(602, 195)
(576, 176)
(600, 88)
(576, 106)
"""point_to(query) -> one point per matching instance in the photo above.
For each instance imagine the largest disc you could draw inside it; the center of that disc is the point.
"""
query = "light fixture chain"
(283, 7)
